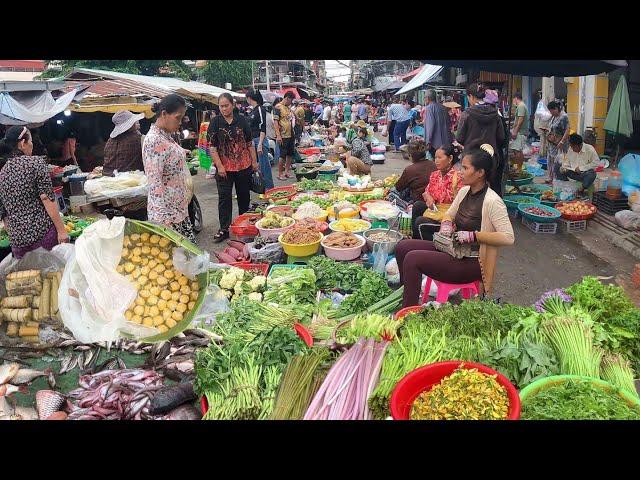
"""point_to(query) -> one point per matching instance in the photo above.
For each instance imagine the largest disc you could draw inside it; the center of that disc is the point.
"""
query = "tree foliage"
(219, 72)
(138, 67)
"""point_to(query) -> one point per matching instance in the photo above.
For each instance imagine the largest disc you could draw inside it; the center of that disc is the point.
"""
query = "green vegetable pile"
(373, 288)
(296, 286)
(331, 274)
(577, 400)
(378, 327)
(306, 184)
(321, 202)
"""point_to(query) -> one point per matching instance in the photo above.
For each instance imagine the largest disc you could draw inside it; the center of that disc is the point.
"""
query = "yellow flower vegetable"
(165, 295)
(140, 301)
(184, 299)
(154, 311)
(120, 269)
(125, 253)
(164, 256)
(182, 281)
(129, 267)
(147, 322)
(171, 323)
(152, 300)
(174, 286)
(166, 313)
(138, 310)
(146, 250)
(185, 290)
(153, 275)
(177, 316)
(155, 291)
(158, 320)
(137, 251)
(145, 271)
(163, 328)
(135, 237)
(152, 264)
(191, 305)
(136, 259)
(181, 308)
(162, 281)
(155, 251)
(194, 296)
(145, 261)
(172, 305)
(164, 242)
(160, 268)
(128, 314)
(168, 263)
(145, 237)
(142, 280)
(145, 293)
(154, 239)
(195, 287)
(136, 319)
(175, 296)
(126, 241)
(168, 274)
(135, 274)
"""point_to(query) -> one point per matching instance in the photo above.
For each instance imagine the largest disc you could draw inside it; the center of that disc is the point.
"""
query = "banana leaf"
(136, 226)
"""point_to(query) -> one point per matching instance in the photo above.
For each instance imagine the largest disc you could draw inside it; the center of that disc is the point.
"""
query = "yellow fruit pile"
(165, 296)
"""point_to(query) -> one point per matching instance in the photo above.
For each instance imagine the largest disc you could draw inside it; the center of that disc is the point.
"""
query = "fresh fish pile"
(13, 378)
(49, 402)
(114, 395)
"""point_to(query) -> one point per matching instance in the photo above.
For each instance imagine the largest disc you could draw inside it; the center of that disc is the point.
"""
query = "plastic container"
(539, 218)
(423, 378)
(367, 225)
(291, 189)
(76, 184)
(304, 250)
(272, 233)
(390, 246)
(521, 181)
(257, 268)
(512, 201)
(240, 227)
(575, 218)
(344, 254)
(614, 185)
(400, 314)
(544, 383)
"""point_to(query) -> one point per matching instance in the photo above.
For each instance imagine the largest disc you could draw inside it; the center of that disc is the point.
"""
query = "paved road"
(535, 264)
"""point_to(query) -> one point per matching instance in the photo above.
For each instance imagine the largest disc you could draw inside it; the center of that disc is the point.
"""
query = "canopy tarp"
(395, 85)
(537, 68)
(28, 108)
(426, 74)
(113, 108)
(619, 119)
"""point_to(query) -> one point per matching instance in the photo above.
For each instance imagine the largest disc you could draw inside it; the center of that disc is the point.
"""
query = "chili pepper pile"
(466, 394)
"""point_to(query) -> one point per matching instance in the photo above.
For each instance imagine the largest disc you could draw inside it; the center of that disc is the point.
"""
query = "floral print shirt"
(164, 164)
(444, 189)
(233, 142)
(22, 180)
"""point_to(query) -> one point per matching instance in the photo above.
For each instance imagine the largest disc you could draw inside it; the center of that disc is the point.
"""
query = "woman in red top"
(443, 186)
(235, 158)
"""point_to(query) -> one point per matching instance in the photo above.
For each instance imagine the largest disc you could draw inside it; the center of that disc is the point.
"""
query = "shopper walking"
(164, 164)
(520, 130)
(235, 158)
(437, 127)
(480, 123)
(283, 122)
(326, 115)
(557, 137)
(27, 203)
(300, 121)
(347, 112)
(399, 113)
(258, 124)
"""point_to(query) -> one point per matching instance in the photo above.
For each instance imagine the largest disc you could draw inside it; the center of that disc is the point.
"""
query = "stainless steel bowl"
(391, 246)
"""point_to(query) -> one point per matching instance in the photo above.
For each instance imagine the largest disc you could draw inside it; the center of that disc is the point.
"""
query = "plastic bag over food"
(124, 184)
(269, 253)
(93, 296)
(40, 259)
(541, 118)
(215, 302)
(189, 264)
(628, 219)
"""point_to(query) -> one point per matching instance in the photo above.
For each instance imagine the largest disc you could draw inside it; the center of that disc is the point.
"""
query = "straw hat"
(123, 121)
(361, 124)
(451, 105)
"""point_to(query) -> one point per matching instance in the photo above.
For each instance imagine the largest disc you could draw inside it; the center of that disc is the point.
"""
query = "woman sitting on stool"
(441, 189)
(478, 216)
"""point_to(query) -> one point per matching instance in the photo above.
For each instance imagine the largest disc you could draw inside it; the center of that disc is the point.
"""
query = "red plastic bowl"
(575, 218)
(302, 332)
(423, 378)
(400, 314)
(291, 189)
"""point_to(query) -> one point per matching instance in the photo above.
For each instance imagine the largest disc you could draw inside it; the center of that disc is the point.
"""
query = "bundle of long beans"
(572, 340)
(617, 370)
(300, 382)
(418, 346)
(272, 376)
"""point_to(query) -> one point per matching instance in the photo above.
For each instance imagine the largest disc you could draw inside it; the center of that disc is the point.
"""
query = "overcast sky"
(337, 72)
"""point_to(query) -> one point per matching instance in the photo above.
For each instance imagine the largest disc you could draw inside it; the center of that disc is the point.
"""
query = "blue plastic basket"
(512, 201)
(539, 218)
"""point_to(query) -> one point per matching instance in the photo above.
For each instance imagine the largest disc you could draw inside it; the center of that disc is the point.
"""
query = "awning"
(395, 85)
(426, 74)
(408, 76)
(538, 68)
(114, 107)
(28, 108)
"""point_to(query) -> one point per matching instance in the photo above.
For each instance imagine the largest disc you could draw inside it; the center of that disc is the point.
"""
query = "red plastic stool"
(444, 289)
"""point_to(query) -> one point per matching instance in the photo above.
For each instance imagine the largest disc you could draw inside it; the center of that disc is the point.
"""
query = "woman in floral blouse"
(443, 187)
(27, 204)
(164, 164)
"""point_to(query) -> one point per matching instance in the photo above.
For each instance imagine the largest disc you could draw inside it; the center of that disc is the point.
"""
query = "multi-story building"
(369, 73)
(307, 76)
(21, 70)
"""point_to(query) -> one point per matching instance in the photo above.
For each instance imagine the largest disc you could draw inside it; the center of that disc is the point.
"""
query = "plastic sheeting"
(427, 73)
(27, 108)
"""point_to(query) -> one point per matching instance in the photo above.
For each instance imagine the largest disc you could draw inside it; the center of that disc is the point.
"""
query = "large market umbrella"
(619, 119)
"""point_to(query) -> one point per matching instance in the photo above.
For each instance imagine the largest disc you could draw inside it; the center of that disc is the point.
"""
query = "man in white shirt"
(326, 115)
(579, 163)
(334, 113)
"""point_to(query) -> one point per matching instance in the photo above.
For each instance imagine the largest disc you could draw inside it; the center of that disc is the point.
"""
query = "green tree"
(219, 72)
(138, 67)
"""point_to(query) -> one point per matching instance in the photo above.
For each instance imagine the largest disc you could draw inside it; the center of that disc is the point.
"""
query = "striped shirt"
(398, 113)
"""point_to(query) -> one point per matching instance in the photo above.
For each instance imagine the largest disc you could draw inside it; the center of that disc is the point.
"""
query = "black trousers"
(423, 227)
(242, 181)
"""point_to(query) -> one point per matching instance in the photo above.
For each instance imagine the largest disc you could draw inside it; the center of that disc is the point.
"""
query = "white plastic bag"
(542, 117)
(270, 253)
(215, 302)
(189, 264)
(93, 296)
(628, 219)
(123, 185)
(40, 259)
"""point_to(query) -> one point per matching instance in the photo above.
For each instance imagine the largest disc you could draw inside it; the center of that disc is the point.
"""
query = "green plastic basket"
(283, 266)
(329, 177)
(548, 382)
(521, 181)
(512, 201)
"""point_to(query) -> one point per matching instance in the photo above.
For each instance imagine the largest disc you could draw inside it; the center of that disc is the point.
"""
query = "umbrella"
(619, 120)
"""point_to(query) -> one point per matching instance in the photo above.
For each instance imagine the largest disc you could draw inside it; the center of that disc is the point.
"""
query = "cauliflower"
(228, 281)
(220, 295)
(237, 289)
(258, 282)
(237, 272)
(255, 296)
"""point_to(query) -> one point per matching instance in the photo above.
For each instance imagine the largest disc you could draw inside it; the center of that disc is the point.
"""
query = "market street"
(536, 263)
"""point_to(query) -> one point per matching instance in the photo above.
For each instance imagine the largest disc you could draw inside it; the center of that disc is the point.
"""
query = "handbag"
(257, 183)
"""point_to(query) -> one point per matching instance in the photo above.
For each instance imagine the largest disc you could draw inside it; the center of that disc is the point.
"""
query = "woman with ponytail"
(27, 203)
(478, 216)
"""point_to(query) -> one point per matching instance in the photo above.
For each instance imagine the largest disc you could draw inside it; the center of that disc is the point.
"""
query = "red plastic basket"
(423, 378)
(575, 218)
(240, 227)
(309, 151)
(302, 332)
(400, 314)
(291, 189)
(258, 268)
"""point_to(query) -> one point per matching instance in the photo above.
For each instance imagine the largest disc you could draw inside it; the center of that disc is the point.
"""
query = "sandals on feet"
(221, 236)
